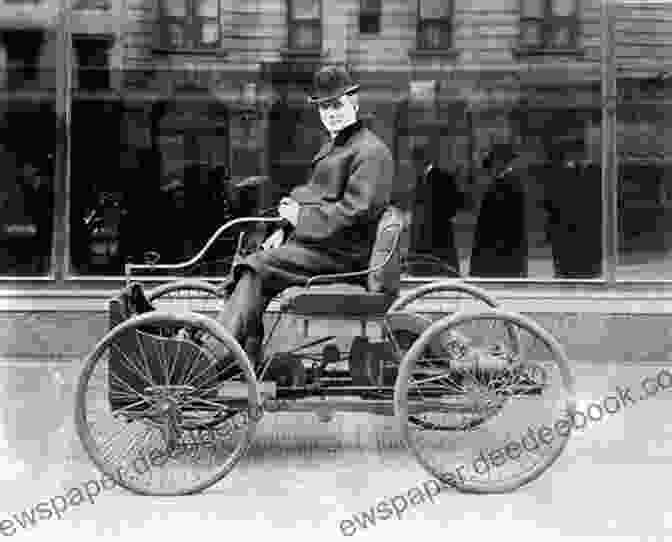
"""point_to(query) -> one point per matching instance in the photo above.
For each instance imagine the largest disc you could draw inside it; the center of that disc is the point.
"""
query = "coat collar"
(347, 132)
(341, 139)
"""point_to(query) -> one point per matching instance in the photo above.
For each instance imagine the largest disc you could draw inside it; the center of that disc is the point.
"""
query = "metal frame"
(337, 277)
(129, 267)
(152, 266)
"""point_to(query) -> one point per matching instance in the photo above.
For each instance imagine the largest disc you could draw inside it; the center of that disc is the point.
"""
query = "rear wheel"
(403, 330)
(517, 401)
(159, 412)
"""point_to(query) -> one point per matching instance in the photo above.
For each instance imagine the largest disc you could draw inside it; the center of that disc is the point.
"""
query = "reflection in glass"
(305, 9)
(208, 8)
(175, 8)
(306, 36)
(531, 33)
(27, 160)
(562, 36)
(210, 33)
(176, 35)
(370, 5)
(564, 8)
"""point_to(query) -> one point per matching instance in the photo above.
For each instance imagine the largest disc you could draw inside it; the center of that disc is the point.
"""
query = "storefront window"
(643, 150)
(178, 134)
(305, 24)
(27, 154)
(644, 189)
(496, 179)
(162, 180)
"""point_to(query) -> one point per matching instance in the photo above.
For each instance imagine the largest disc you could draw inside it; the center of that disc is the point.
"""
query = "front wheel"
(162, 414)
(525, 402)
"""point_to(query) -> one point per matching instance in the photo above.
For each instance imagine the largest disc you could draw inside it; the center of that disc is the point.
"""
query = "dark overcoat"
(438, 199)
(500, 240)
(350, 186)
(575, 223)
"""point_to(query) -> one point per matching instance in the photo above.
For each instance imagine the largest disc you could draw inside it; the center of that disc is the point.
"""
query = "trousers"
(260, 277)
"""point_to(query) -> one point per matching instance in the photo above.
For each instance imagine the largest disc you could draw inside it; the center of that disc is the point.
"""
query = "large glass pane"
(27, 153)
(158, 177)
(645, 212)
(643, 140)
(496, 177)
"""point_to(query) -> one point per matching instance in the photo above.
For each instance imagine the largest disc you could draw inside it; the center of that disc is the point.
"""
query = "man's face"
(338, 113)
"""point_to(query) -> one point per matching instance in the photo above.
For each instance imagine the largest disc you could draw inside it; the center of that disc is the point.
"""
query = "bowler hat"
(331, 82)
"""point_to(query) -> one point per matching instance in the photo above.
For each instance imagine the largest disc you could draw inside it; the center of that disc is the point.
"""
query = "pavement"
(303, 478)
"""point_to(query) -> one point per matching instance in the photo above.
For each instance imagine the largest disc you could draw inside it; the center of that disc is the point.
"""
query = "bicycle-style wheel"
(161, 413)
(403, 328)
(525, 401)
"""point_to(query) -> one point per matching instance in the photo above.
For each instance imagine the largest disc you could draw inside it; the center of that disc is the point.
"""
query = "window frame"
(549, 23)
(192, 25)
(445, 25)
(293, 22)
(375, 13)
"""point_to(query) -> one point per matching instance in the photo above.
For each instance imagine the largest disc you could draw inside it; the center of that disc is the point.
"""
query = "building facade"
(129, 126)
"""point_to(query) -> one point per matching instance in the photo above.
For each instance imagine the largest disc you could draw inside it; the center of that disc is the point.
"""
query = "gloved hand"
(274, 240)
(289, 210)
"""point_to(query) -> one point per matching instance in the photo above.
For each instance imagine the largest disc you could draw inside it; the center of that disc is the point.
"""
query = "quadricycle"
(470, 385)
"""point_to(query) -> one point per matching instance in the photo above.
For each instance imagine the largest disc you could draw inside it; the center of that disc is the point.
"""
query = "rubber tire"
(153, 319)
(406, 369)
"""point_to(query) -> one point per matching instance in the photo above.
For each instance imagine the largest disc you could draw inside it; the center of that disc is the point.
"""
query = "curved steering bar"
(130, 267)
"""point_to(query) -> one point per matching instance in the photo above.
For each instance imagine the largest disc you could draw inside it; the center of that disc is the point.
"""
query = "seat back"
(385, 259)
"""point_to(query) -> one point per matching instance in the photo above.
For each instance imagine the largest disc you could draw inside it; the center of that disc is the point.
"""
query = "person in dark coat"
(574, 224)
(437, 201)
(333, 217)
(500, 240)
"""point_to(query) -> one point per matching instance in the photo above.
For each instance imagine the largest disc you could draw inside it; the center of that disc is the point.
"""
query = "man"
(500, 241)
(333, 218)
(573, 201)
(437, 201)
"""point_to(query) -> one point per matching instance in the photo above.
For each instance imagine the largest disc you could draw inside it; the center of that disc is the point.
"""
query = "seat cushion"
(391, 230)
(347, 300)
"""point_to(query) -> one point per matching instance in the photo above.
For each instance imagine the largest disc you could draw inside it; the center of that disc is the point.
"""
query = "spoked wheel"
(162, 414)
(405, 328)
(461, 365)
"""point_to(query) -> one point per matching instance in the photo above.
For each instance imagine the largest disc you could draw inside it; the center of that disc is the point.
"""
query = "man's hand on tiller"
(289, 210)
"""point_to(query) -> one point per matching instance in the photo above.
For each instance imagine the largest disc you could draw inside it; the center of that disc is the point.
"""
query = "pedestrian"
(500, 241)
(437, 201)
(574, 223)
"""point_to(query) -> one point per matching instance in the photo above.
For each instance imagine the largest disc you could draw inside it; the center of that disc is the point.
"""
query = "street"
(303, 478)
